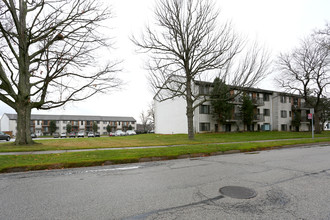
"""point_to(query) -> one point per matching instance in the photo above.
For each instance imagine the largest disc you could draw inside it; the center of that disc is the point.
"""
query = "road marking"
(113, 169)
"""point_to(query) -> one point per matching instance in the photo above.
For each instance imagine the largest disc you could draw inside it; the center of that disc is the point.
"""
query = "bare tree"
(144, 120)
(48, 54)
(151, 116)
(187, 44)
(306, 71)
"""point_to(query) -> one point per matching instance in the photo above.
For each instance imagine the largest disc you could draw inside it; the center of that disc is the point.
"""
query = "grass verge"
(15, 163)
(153, 140)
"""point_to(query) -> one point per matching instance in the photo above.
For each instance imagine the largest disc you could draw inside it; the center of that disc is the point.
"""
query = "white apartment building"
(273, 111)
(40, 123)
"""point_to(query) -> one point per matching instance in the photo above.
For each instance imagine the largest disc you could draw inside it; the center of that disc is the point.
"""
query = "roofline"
(67, 117)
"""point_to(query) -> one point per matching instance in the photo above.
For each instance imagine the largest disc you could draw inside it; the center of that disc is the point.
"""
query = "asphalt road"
(289, 183)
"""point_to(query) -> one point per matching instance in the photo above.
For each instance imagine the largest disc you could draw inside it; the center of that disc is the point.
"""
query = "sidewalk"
(144, 147)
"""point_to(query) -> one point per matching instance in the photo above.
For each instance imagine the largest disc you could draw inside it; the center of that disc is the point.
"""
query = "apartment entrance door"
(216, 128)
(228, 127)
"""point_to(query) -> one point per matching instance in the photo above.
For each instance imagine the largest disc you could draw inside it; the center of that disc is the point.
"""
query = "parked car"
(130, 132)
(63, 135)
(4, 136)
(72, 134)
(90, 134)
(112, 134)
(33, 135)
(81, 134)
(119, 133)
(56, 135)
(97, 134)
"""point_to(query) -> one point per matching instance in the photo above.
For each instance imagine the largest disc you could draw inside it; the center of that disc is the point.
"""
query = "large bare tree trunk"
(190, 118)
(190, 110)
(23, 135)
(317, 123)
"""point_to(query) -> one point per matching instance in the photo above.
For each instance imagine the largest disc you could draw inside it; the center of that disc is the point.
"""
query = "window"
(98, 122)
(204, 109)
(45, 122)
(283, 99)
(295, 101)
(265, 127)
(290, 114)
(119, 123)
(266, 112)
(266, 97)
(284, 127)
(204, 126)
(82, 122)
(204, 89)
(283, 114)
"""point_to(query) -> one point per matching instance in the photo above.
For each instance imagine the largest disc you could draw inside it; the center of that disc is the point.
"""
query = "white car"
(119, 133)
(130, 132)
(91, 134)
(81, 134)
(63, 135)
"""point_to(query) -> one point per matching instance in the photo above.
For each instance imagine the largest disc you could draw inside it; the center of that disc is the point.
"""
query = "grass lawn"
(92, 158)
(152, 140)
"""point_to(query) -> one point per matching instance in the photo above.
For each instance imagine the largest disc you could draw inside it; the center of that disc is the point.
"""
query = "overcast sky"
(277, 24)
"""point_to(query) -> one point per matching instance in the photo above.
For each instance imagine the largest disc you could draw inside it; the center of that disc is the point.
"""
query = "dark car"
(4, 136)
(72, 135)
(33, 135)
(97, 134)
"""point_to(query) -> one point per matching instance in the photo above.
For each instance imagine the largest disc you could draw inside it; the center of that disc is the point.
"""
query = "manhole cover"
(238, 192)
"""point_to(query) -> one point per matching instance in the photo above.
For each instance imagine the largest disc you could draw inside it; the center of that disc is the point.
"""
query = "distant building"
(273, 111)
(40, 123)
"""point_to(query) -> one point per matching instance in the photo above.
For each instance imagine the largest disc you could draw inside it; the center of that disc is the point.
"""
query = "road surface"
(291, 183)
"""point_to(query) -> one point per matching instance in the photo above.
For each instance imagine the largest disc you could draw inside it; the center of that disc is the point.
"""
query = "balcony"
(302, 105)
(258, 118)
(258, 101)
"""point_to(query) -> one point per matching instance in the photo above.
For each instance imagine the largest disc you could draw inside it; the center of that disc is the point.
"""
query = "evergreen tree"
(68, 128)
(95, 127)
(52, 127)
(108, 128)
(247, 111)
(220, 97)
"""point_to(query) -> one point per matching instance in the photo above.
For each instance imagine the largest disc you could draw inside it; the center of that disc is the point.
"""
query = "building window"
(295, 101)
(283, 99)
(38, 122)
(290, 114)
(266, 112)
(266, 97)
(45, 122)
(204, 89)
(82, 122)
(204, 126)
(204, 109)
(283, 114)
(265, 127)
(284, 127)
(119, 123)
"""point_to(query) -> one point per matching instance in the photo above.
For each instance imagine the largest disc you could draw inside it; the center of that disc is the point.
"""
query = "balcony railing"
(258, 101)
(258, 118)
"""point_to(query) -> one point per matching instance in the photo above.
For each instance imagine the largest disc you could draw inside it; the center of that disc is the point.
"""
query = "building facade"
(273, 111)
(40, 124)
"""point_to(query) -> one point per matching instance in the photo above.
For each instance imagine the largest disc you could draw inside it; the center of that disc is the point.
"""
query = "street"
(292, 183)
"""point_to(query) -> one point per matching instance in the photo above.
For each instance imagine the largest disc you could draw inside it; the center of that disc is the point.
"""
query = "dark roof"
(250, 89)
(74, 118)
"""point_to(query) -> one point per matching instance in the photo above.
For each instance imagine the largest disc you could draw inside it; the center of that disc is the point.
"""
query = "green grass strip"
(93, 158)
(153, 140)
